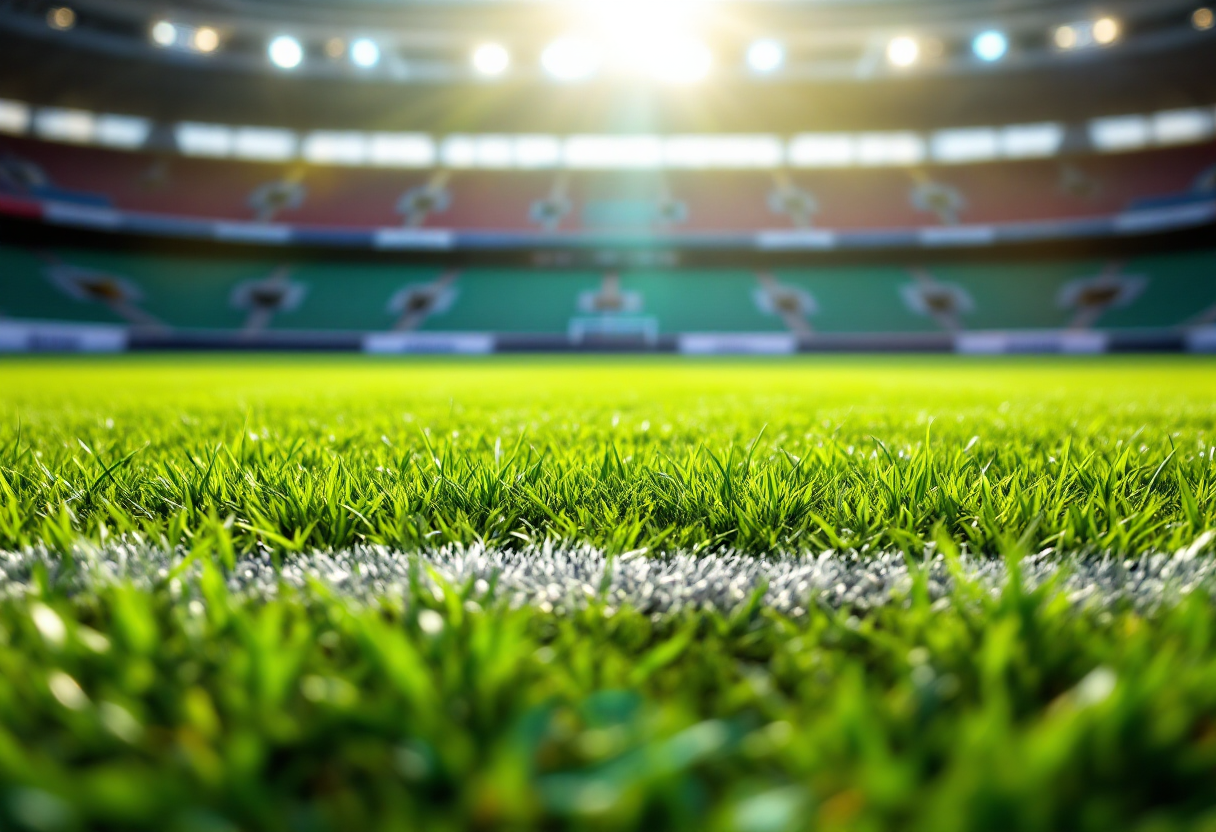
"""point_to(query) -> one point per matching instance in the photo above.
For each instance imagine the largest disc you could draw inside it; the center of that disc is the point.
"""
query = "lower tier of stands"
(178, 300)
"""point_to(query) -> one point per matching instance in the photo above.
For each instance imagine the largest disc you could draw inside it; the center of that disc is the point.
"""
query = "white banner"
(414, 238)
(52, 337)
(1032, 341)
(742, 343)
(450, 343)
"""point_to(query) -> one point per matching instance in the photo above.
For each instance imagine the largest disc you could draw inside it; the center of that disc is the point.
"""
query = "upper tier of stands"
(167, 194)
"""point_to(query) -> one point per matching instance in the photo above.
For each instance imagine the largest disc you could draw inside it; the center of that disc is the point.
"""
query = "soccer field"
(837, 593)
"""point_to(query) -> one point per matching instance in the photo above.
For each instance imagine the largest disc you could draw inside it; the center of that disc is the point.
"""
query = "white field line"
(559, 578)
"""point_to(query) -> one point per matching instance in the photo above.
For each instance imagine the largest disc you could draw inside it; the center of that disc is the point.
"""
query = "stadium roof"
(836, 67)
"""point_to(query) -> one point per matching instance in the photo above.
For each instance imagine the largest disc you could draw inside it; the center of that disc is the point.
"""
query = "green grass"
(790, 456)
(1014, 714)
(186, 708)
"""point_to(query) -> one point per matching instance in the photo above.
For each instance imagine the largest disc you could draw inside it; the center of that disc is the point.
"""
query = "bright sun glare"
(655, 38)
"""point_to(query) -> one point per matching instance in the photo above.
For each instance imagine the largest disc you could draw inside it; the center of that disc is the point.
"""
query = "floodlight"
(1203, 19)
(285, 52)
(364, 53)
(61, 18)
(569, 59)
(765, 56)
(903, 51)
(205, 39)
(680, 60)
(335, 48)
(990, 46)
(163, 33)
(1066, 37)
(491, 59)
(1106, 30)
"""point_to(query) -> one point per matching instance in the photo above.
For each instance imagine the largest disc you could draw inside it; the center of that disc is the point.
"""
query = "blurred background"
(472, 176)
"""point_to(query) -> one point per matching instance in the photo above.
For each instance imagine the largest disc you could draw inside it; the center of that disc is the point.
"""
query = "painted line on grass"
(565, 577)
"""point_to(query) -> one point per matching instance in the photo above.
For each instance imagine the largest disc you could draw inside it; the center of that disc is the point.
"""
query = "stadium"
(749, 415)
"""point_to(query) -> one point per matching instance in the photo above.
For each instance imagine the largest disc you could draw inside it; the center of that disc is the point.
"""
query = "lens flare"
(903, 51)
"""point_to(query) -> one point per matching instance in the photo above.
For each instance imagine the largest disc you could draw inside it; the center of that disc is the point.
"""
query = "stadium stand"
(527, 203)
(945, 194)
(159, 297)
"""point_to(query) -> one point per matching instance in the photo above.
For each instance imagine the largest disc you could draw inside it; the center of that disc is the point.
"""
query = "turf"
(761, 457)
(223, 676)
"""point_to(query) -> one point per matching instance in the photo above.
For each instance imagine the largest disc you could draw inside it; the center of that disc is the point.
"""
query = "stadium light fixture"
(285, 52)
(570, 58)
(335, 48)
(1203, 19)
(1066, 37)
(903, 51)
(1106, 31)
(61, 18)
(491, 59)
(765, 56)
(990, 46)
(205, 40)
(163, 33)
(364, 53)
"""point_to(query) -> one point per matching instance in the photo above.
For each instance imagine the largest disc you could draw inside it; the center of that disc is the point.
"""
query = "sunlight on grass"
(301, 453)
